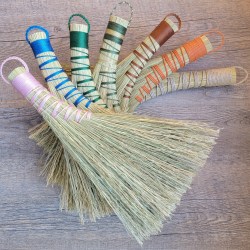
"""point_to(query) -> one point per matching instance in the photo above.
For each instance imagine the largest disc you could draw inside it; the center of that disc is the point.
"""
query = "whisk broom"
(141, 193)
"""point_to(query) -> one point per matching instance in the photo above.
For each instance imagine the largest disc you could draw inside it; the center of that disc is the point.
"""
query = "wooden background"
(214, 214)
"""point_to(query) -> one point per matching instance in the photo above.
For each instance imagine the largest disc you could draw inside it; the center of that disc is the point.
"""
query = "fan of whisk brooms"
(151, 163)
(51, 67)
(43, 135)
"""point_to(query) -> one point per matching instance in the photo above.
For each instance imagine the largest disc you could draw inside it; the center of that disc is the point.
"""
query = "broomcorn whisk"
(208, 46)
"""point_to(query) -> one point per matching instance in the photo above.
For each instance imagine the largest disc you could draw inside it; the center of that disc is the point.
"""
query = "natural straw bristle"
(57, 168)
(184, 152)
(141, 192)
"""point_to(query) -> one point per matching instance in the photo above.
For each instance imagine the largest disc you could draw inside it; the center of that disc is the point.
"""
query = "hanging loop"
(177, 18)
(79, 15)
(35, 27)
(124, 3)
(15, 58)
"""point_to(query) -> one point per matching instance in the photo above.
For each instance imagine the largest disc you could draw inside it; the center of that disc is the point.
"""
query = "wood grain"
(214, 214)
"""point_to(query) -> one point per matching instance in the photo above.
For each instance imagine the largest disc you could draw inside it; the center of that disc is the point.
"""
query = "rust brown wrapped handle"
(164, 30)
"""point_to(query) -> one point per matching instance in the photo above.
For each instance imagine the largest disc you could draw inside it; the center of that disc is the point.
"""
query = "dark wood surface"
(214, 214)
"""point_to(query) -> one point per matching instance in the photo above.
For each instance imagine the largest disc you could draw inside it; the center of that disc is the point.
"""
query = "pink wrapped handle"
(24, 82)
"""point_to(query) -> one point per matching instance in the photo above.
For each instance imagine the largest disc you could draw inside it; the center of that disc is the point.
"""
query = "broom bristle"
(141, 166)
(56, 164)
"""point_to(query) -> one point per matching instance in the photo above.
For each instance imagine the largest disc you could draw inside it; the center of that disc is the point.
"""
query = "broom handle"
(53, 73)
(40, 97)
(80, 67)
(171, 62)
(194, 79)
(141, 56)
(105, 70)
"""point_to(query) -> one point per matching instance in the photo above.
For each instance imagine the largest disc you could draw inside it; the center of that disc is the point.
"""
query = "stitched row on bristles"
(188, 80)
(141, 192)
(55, 76)
(80, 67)
(105, 70)
(170, 63)
(141, 56)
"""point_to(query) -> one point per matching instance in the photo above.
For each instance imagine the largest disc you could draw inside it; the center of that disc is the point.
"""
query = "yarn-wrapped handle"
(45, 102)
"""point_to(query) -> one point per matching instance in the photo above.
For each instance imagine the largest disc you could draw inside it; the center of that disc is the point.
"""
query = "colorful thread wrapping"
(106, 67)
(193, 79)
(80, 66)
(44, 101)
(171, 62)
(141, 56)
(52, 71)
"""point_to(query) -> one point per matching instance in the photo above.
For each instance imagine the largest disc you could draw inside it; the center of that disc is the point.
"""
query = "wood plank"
(214, 214)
